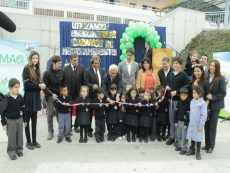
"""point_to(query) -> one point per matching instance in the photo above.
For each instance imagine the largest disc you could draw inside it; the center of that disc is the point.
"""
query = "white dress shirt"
(99, 76)
(129, 66)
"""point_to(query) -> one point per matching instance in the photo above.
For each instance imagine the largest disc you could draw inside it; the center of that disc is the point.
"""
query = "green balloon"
(122, 57)
(153, 45)
(131, 40)
(130, 34)
(124, 52)
(122, 46)
(133, 58)
(128, 45)
(127, 29)
(156, 39)
(131, 23)
(154, 33)
(159, 45)
(124, 35)
(121, 40)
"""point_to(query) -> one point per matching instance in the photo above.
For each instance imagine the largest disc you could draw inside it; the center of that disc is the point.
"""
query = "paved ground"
(118, 156)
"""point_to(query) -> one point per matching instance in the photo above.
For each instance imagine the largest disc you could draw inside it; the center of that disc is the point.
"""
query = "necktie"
(111, 80)
(74, 68)
(97, 77)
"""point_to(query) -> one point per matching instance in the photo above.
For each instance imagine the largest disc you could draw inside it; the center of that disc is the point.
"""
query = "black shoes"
(209, 150)
(76, 129)
(146, 140)
(140, 140)
(20, 154)
(176, 143)
(90, 134)
(36, 144)
(190, 152)
(59, 140)
(182, 152)
(30, 146)
(109, 138)
(98, 140)
(128, 139)
(102, 139)
(13, 157)
(204, 148)
(68, 139)
(113, 138)
(133, 138)
(198, 156)
(159, 139)
(164, 138)
(170, 141)
(178, 148)
(152, 139)
(81, 140)
(85, 140)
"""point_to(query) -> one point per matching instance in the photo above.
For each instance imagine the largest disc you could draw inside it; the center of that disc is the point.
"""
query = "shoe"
(204, 148)
(198, 156)
(176, 143)
(128, 139)
(50, 136)
(36, 144)
(170, 141)
(102, 139)
(209, 150)
(76, 129)
(98, 140)
(81, 140)
(123, 137)
(30, 146)
(120, 138)
(13, 157)
(59, 140)
(168, 136)
(90, 134)
(163, 138)
(182, 152)
(159, 139)
(152, 139)
(146, 140)
(133, 138)
(85, 140)
(68, 139)
(178, 148)
(190, 152)
(140, 140)
(113, 138)
(109, 138)
(20, 154)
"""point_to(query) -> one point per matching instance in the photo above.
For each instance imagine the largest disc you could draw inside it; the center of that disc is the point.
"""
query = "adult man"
(147, 51)
(112, 77)
(93, 79)
(74, 79)
(203, 62)
(52, 78)
(128, 69)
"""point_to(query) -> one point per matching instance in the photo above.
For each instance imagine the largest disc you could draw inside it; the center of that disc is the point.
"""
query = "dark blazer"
(80, 77)
(106, 82)
(164, 80)
(148, 53)
(90, 79)
(204, 85)
(218, 93)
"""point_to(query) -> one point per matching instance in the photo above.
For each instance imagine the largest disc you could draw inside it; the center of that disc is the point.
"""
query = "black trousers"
(145, 130)
(90, 129)
(85, 129)
(100, 128)
(112, 127)
(121, 129)
(198, 146)
(161, 128)
(210, 129)
(33, 117)
(133, 129)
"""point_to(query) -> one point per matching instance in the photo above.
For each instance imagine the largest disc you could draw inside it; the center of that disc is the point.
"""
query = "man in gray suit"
(128, 69)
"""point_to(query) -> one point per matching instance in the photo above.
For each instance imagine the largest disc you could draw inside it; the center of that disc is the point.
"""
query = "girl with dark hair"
(132, 112)
(32, 86)
(190, 63)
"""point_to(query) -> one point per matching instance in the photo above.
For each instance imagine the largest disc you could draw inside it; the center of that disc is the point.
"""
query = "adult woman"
(147, 77)
(32, 98)
(216, 97)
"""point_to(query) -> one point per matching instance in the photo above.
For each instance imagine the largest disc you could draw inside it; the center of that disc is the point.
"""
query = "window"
(132, 5)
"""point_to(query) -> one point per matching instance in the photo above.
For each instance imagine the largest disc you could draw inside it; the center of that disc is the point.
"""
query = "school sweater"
(122, 113)
(113, 107)
(132, 109)
(188, 67)
(182, 111)
(99, 111)
(146, 111)
(15, 109)
(154, 108)
(163, 105)
(84, 108)
(176, 82)
(61, 108)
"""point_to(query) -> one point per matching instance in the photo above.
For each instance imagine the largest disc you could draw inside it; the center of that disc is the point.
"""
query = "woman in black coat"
(32, 98)
(216, 97)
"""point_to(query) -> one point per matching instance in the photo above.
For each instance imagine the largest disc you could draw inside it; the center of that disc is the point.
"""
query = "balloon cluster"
(135, 30)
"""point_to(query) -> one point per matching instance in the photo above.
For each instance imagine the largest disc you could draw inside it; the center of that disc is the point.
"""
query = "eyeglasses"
(129, 55)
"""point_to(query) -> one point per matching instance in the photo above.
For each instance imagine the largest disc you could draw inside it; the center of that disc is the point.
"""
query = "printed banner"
(224, 59)
(13, 58)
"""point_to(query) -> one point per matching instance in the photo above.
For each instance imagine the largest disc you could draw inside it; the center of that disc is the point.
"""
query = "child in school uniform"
(13, 118)
(121, 119)
(197, 118)
(132, 112)
(83, 115)
(112, 114)
(153, 128)
(64, 110)
(162, 113)
(100, 113)
(141, 92)
(181, 120)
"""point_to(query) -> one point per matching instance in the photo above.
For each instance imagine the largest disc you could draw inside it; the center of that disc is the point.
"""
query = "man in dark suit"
(93, 79)
(74, 79)
(147, 53)
(112, 77)
(203, 62)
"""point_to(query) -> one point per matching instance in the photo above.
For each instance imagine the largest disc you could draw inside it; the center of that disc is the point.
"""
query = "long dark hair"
(217, 76)
(193, 78)
(129, 92)
(148, 61)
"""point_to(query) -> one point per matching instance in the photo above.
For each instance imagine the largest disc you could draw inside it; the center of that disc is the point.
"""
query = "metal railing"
(215, 19)
(22, 4)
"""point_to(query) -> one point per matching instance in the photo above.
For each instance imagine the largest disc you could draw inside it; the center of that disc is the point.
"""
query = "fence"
(215, 20)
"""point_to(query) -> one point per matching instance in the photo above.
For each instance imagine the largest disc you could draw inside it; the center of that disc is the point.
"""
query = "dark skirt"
(131, 120)
(163, 118)
(112, 117)
(145, 121)
(83, 118)
(32, 101)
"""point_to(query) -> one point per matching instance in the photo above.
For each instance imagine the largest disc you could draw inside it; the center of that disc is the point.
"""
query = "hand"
(151, 104)
(156, 104)
(119, 105)
(54, 96)
(63, 103)
(163, 97)
(42, 86)
(159, 101)
(173, 93)
(185, 127)
(139, 104)
(147, 105)
(25, 124)
(88, 104)
(176, 125)
(168, 88)
(130, 104)
(100, 105)
(111, 101)
(209, 96)
(107, 105)
(199, 129)
(4, 127)
(95, 86)
(83, 104)
(117, 98)
(120, 121)
(67, 104)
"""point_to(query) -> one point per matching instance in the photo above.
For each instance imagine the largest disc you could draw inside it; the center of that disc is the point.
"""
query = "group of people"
(130, 101)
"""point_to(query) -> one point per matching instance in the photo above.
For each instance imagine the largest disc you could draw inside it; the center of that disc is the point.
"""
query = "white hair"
(113, 67)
